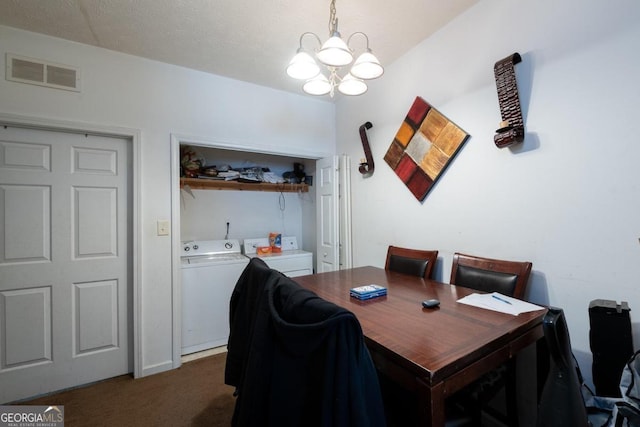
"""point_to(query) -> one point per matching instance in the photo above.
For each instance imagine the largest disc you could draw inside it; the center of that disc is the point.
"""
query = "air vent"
(42, 73)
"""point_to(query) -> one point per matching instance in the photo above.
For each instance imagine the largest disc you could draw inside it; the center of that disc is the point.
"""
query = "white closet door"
(65, 260)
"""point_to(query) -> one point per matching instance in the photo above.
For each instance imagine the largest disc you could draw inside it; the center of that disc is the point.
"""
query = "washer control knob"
(228, 245)
(195, 247)
(187, 248)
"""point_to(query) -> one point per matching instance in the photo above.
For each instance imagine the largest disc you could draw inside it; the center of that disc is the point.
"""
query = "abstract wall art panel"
(423, 147)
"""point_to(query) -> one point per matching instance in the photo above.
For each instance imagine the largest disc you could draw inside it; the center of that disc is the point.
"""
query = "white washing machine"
(291, 261)
(210, 270)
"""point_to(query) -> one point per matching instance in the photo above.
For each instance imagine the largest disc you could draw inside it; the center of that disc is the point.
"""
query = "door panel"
(96, 316)
(27, 331)
(23, 156)
(95, 222)
(26, 216)
(65, 260)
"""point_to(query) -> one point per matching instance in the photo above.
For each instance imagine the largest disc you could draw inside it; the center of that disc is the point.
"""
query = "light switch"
(163, 227)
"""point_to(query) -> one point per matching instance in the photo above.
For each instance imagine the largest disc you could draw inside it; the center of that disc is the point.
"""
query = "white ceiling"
(249, 40)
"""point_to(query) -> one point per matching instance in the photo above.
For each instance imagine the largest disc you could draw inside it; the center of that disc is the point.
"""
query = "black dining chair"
(508, 278)
(415, 262)
(491, 275)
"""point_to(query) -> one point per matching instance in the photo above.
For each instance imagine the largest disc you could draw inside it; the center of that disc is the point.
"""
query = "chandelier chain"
(333, 21)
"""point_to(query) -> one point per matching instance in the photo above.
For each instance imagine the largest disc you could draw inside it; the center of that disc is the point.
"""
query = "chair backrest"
(561, 402)
(415, 262)
(490, 275)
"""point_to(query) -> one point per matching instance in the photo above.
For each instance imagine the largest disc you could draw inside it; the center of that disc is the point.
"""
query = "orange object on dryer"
(263, 250)
(275, 241)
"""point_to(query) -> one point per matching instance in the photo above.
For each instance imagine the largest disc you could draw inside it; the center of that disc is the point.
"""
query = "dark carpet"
(192, 395)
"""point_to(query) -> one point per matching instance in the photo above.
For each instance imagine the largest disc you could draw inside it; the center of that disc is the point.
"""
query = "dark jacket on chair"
(307, 364)
(242, 313)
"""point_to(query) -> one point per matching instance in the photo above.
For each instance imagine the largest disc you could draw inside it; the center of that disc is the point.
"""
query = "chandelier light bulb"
(303, 66)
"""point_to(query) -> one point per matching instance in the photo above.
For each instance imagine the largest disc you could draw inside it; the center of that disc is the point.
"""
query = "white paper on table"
(498, 302)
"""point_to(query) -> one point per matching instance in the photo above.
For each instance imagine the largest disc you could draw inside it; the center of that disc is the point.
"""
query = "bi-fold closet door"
(333, 213)
(65, 260)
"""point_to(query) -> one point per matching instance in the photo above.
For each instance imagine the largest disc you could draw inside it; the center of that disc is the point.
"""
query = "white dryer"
(210, 271)
(291, 261)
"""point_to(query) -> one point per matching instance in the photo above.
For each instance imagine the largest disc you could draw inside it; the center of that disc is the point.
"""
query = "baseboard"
(157, 368)
(205, 353)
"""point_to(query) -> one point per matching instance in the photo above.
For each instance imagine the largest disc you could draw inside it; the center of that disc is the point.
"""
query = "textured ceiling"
(249, 40)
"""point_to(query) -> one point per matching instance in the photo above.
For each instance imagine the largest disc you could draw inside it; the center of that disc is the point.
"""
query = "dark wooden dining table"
(433, 352)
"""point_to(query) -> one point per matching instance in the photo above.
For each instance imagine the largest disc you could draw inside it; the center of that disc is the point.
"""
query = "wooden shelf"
(212, 184)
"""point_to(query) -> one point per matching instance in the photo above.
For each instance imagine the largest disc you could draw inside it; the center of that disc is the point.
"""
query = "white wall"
(160, 100)
(567, 199)
(251, 214)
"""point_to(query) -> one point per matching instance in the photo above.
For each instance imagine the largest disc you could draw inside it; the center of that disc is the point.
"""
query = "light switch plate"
(163, 227)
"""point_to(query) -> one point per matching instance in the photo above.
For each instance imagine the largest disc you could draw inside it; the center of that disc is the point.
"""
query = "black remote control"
(430, 303)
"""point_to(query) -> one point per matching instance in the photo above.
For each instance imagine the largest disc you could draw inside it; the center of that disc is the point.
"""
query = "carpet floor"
(192, 395)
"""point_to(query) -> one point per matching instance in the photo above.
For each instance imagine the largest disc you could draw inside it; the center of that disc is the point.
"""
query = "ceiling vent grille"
(42, 73)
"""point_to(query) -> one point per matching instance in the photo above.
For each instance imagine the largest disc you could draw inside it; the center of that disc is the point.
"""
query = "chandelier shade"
(352, 86)
(367, 67)
(303, 66)
(319, 85)
(334, 54)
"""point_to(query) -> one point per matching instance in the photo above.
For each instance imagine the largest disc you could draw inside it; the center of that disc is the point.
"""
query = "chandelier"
(334, 54)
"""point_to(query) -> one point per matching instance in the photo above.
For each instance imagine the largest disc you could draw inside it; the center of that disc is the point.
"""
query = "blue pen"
(501, 299)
